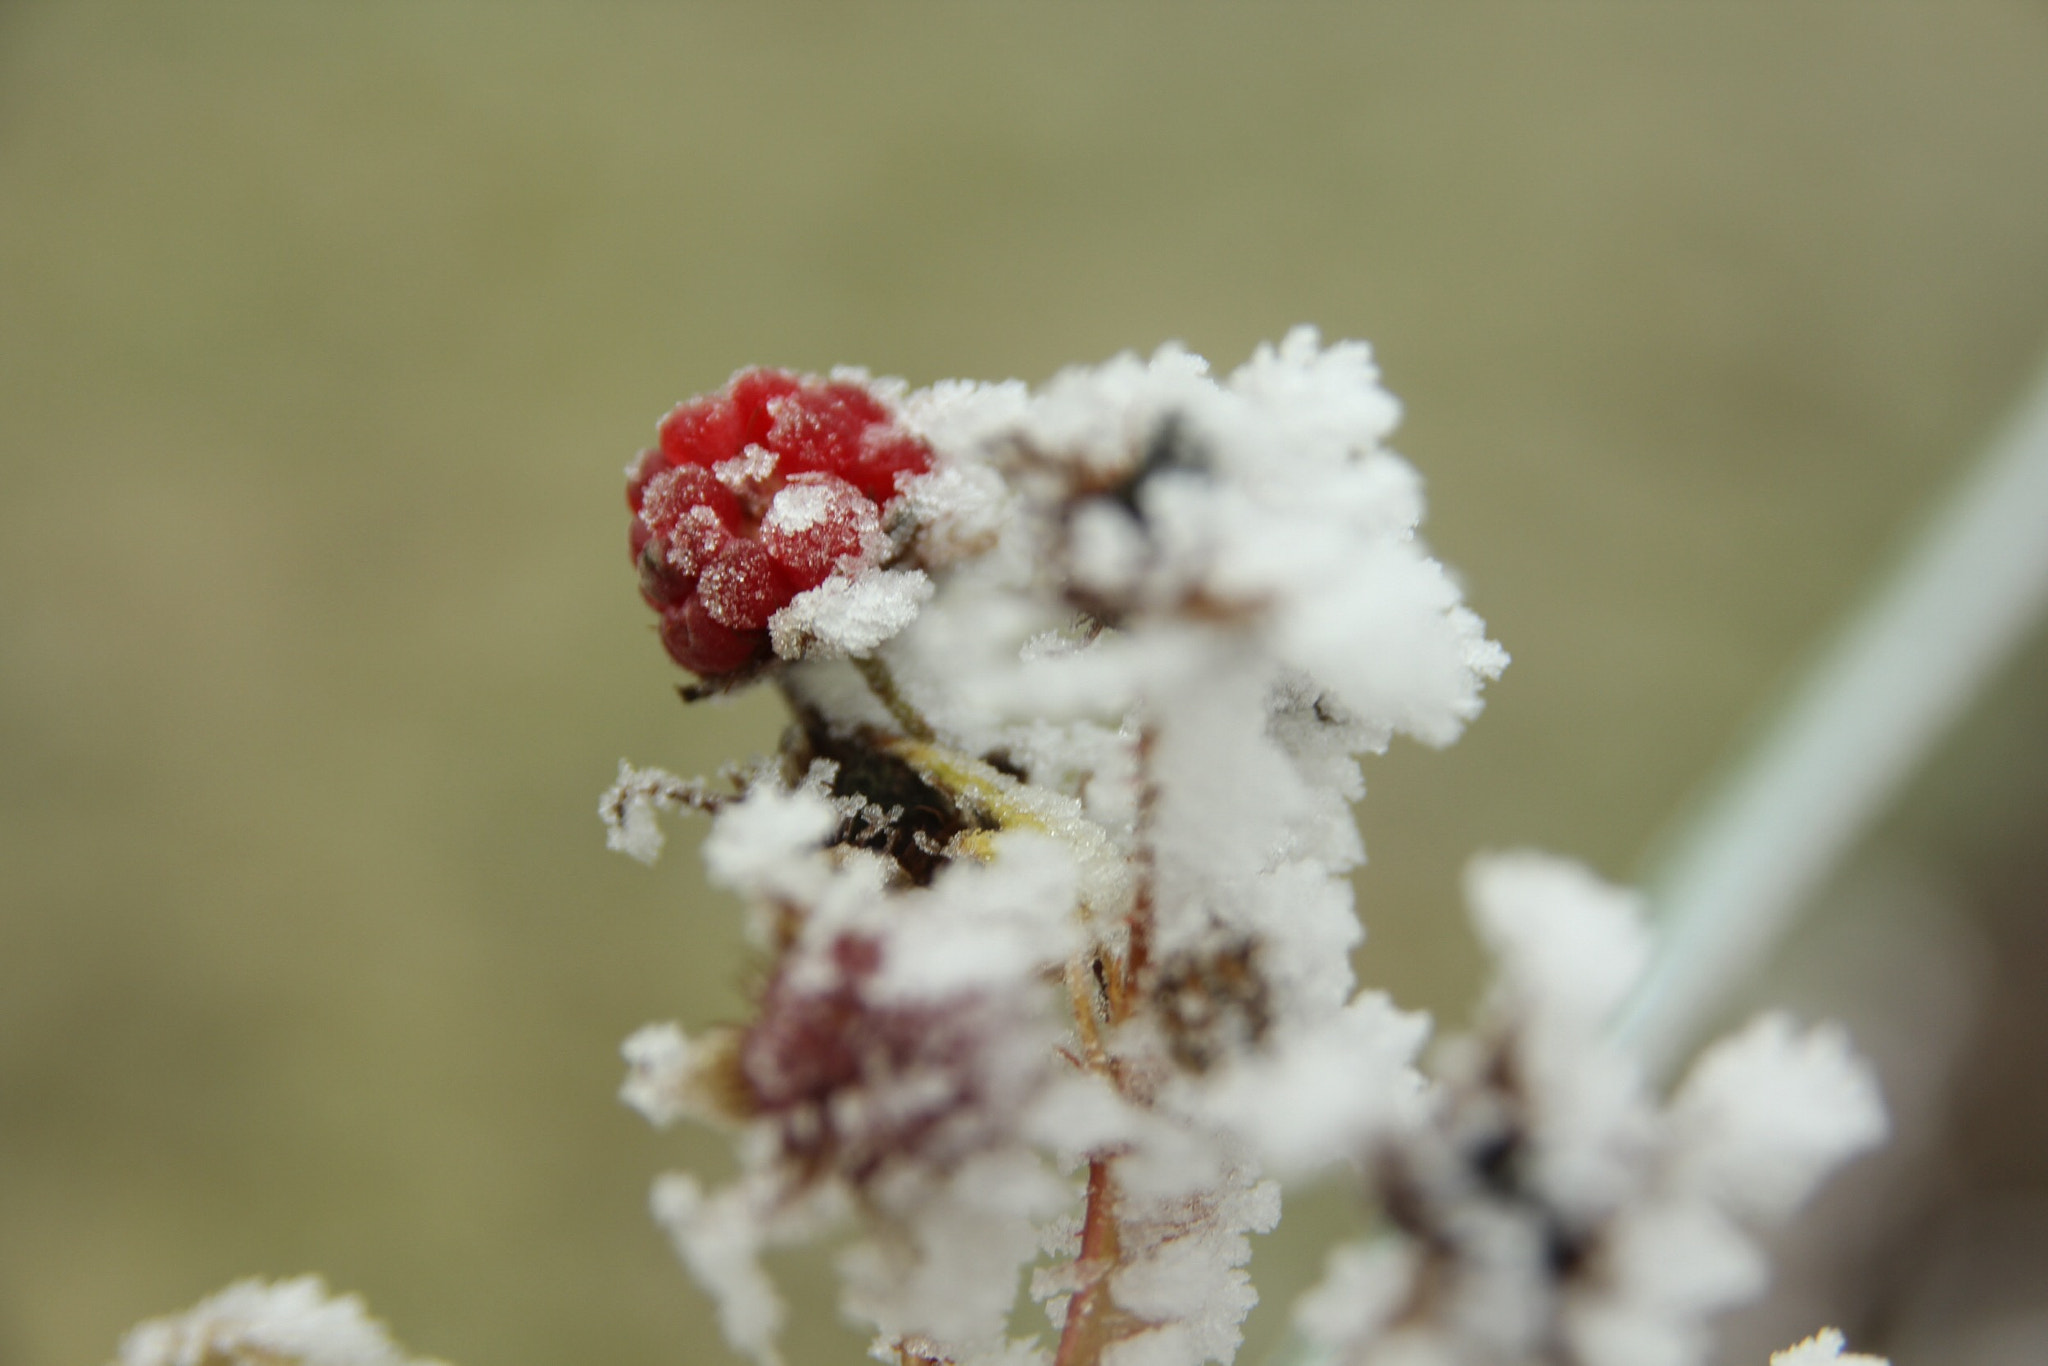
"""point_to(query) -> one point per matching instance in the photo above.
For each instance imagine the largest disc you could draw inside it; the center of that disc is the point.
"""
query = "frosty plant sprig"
(1049, 881)
(1050, 873)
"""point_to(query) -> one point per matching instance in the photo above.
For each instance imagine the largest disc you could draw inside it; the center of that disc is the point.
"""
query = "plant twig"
(882, 684)
(1091, 1314)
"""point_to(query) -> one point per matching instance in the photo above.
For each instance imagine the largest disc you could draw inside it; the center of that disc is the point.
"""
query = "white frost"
(659, 1070)
(628, 809)
(849, 615)
(1824, 1349)
(763, 842)
(1325, 1094)
(256, 1324)
(720, 1238)
(1361, 1290)
(1568, 943)
(1768, 1112)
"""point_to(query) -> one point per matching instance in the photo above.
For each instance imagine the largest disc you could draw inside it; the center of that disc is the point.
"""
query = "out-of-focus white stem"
(1851, 733)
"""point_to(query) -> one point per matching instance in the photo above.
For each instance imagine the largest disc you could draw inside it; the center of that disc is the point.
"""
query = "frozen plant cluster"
(1049, 887)
(1049, 879)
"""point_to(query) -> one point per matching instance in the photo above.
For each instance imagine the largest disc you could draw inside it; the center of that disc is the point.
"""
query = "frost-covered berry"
(756, 494)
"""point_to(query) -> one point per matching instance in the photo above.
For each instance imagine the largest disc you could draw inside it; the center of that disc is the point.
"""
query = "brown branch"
(1087, 1021)
(1145, 860)
(1093, 1319)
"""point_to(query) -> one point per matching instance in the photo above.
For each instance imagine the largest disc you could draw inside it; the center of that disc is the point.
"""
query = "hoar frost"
(1050, 876)
(1049, 885)
(289, 1323)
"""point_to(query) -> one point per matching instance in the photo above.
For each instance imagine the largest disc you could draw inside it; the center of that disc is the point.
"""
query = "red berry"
(751, 392)
(650, 463)
(757, 494)
(700, 432)
(660, 584)
(742, 588)
(706, 648)
(826, 1065)
(886, 455)
(815, 521)
(674, 497)
(820, 428)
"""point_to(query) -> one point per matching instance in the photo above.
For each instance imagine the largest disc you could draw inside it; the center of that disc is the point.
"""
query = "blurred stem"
(882, 684)
(1848, 736)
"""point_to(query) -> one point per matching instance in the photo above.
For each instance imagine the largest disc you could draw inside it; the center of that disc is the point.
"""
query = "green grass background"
(325, 331)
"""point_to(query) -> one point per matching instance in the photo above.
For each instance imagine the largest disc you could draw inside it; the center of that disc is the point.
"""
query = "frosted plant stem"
(1091, 1315)
(1849, 736)
(883, 684)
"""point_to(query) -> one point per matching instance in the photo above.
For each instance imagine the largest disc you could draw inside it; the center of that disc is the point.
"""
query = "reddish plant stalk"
(1145, 859)
(1093, 1319)
(1092, 1316)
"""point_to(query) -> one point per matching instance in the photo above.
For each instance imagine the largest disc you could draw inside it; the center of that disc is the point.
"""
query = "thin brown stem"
(918, 1351)
(1145, 861)
(1093, 1320)
(1114, 977)
(1087, 1021)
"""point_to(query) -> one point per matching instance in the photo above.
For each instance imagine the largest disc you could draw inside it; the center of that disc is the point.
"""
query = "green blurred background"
(324, 334)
